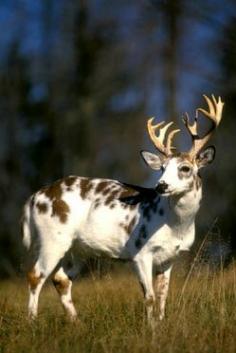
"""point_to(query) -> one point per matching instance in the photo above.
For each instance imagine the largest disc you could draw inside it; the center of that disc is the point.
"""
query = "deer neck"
(184, 207)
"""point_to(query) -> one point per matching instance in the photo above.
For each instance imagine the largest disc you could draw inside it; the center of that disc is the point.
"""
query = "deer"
(93, 217)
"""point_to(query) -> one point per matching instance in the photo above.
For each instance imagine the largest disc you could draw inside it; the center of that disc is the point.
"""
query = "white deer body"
(107, 218)
(92, 234)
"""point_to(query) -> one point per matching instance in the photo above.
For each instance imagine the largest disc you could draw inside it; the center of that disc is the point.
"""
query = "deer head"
(181, 169)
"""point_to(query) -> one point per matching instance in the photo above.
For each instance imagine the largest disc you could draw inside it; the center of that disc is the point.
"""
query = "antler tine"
(215, 109)
(169, 147)
(192, 129)
(214, 113)
(159, 140)
(163, 131)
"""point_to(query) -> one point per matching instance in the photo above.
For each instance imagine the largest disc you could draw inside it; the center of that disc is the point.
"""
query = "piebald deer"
(103, 217)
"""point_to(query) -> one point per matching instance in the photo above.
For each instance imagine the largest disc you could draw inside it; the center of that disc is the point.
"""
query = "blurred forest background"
(78, 80)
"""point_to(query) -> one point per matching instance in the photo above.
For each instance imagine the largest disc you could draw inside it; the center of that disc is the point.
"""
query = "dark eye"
(185, 169)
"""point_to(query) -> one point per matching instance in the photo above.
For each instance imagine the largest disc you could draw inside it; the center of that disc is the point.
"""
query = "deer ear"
(152, 160)
(206, 157)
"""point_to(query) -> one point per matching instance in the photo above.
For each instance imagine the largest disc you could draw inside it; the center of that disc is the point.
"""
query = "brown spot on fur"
(127, 193)
(106, 191)
(69, 181)
(149, 301)
(97, 204)
(160, 284)
(129, 227)
(183, 156)
(61, 284)
(124, 205)
(42, 207)
(101, 186)
(112, 197)
(122, 225)
(33, 279)
(53, 191)
(85, 186)
(191, 184)
(60, 209)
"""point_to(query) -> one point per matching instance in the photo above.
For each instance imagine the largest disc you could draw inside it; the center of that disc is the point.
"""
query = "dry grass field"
(201, 316)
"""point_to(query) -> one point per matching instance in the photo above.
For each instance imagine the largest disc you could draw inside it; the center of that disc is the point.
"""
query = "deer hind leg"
(44, 266)
(161, 288)
(62, 281)
(36, 279)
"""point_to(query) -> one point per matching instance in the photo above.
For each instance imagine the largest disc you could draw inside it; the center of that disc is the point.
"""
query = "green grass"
(202, 319)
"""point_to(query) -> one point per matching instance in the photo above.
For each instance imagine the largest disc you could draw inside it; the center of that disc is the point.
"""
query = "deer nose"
(161, 187)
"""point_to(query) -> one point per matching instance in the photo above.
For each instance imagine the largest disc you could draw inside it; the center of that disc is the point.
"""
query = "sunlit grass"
(201, 319)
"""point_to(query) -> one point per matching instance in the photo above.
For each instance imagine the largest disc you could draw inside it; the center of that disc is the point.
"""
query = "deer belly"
(102, 236)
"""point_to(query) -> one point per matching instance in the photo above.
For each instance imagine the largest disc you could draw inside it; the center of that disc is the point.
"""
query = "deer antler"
(159, 140)
(214, 114)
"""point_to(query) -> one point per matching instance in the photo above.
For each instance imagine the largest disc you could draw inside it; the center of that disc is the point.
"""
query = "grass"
(201, 316)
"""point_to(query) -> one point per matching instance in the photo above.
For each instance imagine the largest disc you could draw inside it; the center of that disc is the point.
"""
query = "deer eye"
(185, 169)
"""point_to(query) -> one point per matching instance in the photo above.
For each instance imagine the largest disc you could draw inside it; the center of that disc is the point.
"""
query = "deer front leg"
(161, 289)
(144, 266)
